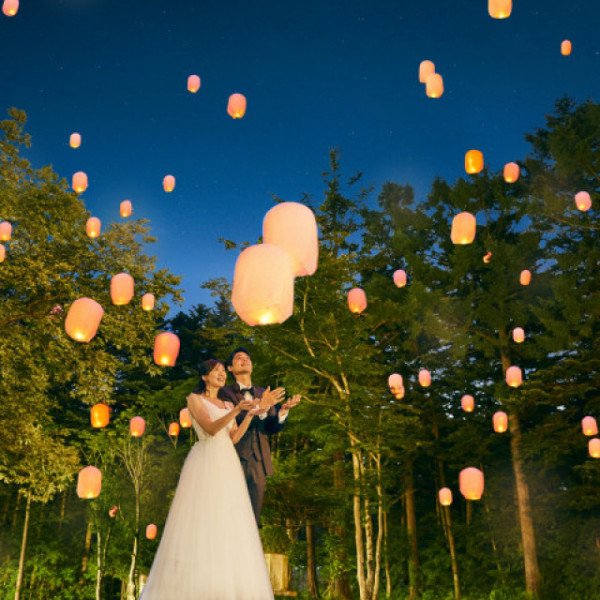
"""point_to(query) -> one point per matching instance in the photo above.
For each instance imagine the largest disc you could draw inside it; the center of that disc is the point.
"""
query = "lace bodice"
(215, 412)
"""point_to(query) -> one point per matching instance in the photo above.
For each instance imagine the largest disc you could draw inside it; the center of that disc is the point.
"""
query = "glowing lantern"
(400, 278)
(500, 420)
(80, 182)
(99, 415)
(467, 403)
(464, 227)
(470, 481)
(399, 393)
(75, 140)
(185, 419)
(166, 349)
(174, 429)
(113, 512)
(137, 426)
(263, 285)
(93, 227)
(424, 377)
(151, 531)
(2, 253)
(499, 9)
(594, 447)
(583, 201)
(292, 226)
(193, 83)
(10, 7)
(445, 496)
(169, 183)
(83, 319)
(518, 335)
(487, 258)
(5, 231)
(525, 277)
(514, 377)
(148, 302)
(125, 208)
(357, 300)
(425, 68)
(589, 426)
(395, 381)
(89, 483)
(434, 85)
(121, 289)
(565, 48)
(473, 162)
(236, 107)
(511, 172)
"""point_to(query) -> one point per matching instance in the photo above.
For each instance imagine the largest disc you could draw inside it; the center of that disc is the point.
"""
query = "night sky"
(316, 74)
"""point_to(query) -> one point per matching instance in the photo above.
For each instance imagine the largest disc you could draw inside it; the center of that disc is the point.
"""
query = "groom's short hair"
(239, 349)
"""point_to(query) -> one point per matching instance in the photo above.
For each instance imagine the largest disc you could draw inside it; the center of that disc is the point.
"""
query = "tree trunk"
(86, 549)
(311, 565)
(98, 564)
(63, 505)
(411, 531)
(388, 575)
(341, 584)
(23, 545)
(358, 533)
(134, 552)
(16, 510)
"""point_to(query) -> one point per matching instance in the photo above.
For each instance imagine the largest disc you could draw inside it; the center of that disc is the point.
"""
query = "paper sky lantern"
(399, 393)
(514, 377)
(425, 68)
(589, 426)
(2, 253)
(166, 349)
(470, 481)
(445, 496)
(125, 208)
(83, 319)
(467, 403)
(113, 511)
(518, 335)
(424, 378)
(89, 483)
(10, 7)
(93, 227)
(594, 447)
(121, 289)
(464, 227)
(292, 226)
(400, 278)
(263, 285)
(193, 83)
(5, 231)
(169, 183)
(148, 302)
(499, 9)
(99, 415)
(434, 85)
(395, 381)
(174, 429)
(487, 258)
(80, 182)
(565, 48)
(473, 162)
(151, 531)
(583, 201)
(525, 277)
(137, 426)
(185, 419)
(236, 107)
(511, 172)
(75, 140)
(500, 421)
(357, 300)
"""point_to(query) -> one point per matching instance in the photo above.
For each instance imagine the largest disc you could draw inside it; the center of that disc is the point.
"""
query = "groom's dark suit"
(253, 449)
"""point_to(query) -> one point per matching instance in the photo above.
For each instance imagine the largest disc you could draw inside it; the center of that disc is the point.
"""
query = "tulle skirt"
(210, 548)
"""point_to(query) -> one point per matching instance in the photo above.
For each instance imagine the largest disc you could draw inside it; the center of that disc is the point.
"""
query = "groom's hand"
(293, 401)
(270, 398)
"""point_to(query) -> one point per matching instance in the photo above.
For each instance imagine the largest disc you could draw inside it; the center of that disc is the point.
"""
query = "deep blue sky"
(317, 74)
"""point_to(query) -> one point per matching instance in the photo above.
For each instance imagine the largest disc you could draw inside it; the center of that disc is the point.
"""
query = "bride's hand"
(246, 405)
(270, 398)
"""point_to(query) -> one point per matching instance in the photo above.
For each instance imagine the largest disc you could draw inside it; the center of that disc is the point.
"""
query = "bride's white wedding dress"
(210, 548)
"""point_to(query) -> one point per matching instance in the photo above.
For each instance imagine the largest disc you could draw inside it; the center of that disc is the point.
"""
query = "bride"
(210, 548)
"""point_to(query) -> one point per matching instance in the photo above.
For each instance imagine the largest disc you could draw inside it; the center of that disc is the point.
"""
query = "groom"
(253, 448)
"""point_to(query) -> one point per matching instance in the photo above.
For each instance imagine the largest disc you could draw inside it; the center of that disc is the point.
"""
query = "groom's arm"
(271, 423)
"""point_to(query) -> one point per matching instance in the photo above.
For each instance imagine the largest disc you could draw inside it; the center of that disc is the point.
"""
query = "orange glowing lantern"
(169, 183)
(426, 68)
(399, 393)
(83, 319)
(292, 226)
(148, 302)
(357, 300)
(2, 253)
(487, 258)
(99, 415)
(434, 85)
(236, 107)
(514, 377)
(594, 447)
(75, 140)
(137, 426)
(499, 9)
(174, 429)
(193, 83)
(80, 182)
(93, 227)
(121, 289)
(400, 278)
(589, 426)
(518, 335)
(500, 420)
(151, 531)
(525, 277)
(445, 496)
(89, 483)
(473, 162)
(113, 512)
(565, 47)
(185, 419)
(583, 201)
(125, 208)
(263, 285)
(10, 7)
(470, 481)
(395, 381)
(511, 172)
(166, 349)
(424, 378)
(464, 227)
(5, 231)
(467, 403)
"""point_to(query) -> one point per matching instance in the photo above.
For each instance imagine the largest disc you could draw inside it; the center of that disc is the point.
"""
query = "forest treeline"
(354, 500)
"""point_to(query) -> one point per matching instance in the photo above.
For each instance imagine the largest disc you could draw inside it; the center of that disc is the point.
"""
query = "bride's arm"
(201, 415)
(238, 431)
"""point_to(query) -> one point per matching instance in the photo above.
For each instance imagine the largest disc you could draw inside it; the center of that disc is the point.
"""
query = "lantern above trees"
(125, 208)
(166, 349)
(426, 68)
(100, 415)
(583, 201)
(467, 403)
(473, 162)
(400, 278)
(434, 85)
(514, 377)
(5, 231)
(93, 227)
(10, 7)
(193, 83)
(500, 421)
(121, 289)
(499, 9)
(236, 106)
(471, 483)
(511, 172)
(89, 483)
(75, 140)
(83, 319)
(445, 496)
(137, 426)
(565, 47)
(589, 426)
(169, 183)
(357, 300)
(464, 227)
(80, 182)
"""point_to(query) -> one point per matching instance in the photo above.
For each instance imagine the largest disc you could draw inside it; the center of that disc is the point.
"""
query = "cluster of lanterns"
(434, 82)
(590, 427)
(470, 483)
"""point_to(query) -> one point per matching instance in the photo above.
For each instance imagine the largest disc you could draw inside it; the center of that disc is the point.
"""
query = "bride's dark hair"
(204, 368)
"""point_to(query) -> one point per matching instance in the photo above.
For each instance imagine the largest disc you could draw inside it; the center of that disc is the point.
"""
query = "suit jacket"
(254, 444)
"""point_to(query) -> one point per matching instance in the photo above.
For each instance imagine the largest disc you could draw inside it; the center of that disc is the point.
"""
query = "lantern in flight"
(121, 289)
(357, 300)
(185, 420)
(89, 483)
(166, 349)
(473, 162)
(148, 302)
(83, 319)
(399, 393)
(151, 531)
(424, 378)
(500, 421)
(174, 429)
(125, 208)
(525, 277)
(395, 381)
(594, 447)
(487, 257)
(10, 7)
(518, 335)
(75, 140)
(467, 403)
(514, 377)
(236, 106)
(137, 426)
(99, 415)
(426, 68)
(434, 85)
(169, 183)
(499, 9)
(589, 426)
(400, 278)
(5, 231)
(292, 226)
(583, 201)
(80, 182)
(445, 496)
(2, 253)
(193, 83)
(565, 47)
(511, 172)
(470, 481)
(113, 512)
(93, 227)
(464, 227)
(263, 285)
